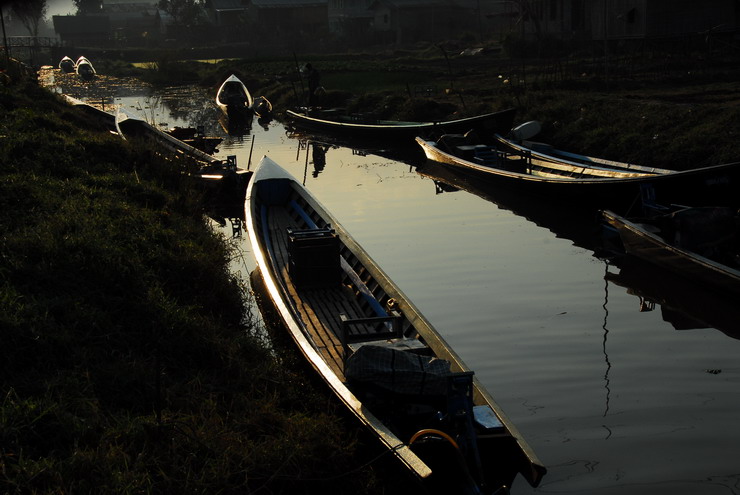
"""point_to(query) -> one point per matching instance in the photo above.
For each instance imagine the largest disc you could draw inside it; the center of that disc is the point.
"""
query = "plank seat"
(379, 335)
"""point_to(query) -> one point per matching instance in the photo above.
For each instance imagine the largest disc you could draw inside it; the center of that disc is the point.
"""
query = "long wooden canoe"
(361, 126)
(597, 185)
(351, 323)
(549, 156)
(692, 242)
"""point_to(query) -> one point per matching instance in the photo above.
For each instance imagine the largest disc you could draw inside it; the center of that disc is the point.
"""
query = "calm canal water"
(617, 389)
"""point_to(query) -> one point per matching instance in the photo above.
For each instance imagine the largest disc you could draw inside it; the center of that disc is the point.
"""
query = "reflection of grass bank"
(128, 362)
(650, 107)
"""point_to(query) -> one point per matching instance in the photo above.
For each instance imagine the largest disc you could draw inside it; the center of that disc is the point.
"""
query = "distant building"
(613, 19)
(350, 17)
(82, 30)
(130, 22)
(272, 18)
(420, 20)
(630, 19)
(225, 13)
(134, 22)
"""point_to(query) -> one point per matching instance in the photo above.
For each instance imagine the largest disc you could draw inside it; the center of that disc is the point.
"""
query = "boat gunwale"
(551, 157)
(233, 79)
(401, 125)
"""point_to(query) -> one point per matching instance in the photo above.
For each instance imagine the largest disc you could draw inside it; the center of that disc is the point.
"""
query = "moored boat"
(597, 185)
(67, 65)
(364, 126)
(195, 137)
(262, 107)
(234, 99)
(701, 244)
(85, 69)
(218, 177)
(547, 155)
(352, 324)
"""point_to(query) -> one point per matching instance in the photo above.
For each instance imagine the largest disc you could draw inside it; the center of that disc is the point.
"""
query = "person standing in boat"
(314, 79)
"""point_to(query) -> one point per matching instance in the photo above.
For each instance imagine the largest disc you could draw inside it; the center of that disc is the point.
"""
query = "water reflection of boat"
(683, 304)
(67, 65)
(578, 224)
(356, 328)
(366, 127)
(700, 244)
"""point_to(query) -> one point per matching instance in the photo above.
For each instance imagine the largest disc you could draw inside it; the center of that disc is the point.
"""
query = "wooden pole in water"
(249, 163)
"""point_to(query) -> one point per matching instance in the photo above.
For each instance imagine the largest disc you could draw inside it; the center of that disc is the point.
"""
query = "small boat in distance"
(85, 69)
(262, 107)
(67, 65)
(368, 127)
(372, 347)
(234, 99)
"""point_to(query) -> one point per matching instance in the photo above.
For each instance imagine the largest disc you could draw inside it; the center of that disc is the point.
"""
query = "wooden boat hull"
(85, 69)
(67, 65)
(550, 155)
(709, 185)
(222, 180)
(326, 122)
(235, 101)
(275, 202)
(640, 241)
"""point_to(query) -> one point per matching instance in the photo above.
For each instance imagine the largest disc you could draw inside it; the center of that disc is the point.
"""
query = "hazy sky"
(60, 7)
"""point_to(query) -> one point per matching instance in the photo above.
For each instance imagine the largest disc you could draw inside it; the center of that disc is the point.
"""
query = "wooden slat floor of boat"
(319, 308)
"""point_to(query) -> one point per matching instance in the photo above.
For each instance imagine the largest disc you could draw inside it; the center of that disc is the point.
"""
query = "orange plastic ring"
(430, 431)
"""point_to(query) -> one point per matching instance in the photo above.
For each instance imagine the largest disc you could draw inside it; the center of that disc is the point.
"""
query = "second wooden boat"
(85, 69)
(372, 347)
(363, 126)
(550, 157)
(597, 185)
(700, 244)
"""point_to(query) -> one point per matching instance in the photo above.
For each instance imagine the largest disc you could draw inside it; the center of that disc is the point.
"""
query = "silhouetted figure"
(314, 79)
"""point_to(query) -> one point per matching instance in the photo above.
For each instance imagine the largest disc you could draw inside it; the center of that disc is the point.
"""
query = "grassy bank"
(129, 362)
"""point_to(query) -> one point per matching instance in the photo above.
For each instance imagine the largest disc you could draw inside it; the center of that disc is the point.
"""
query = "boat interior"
(470, 147)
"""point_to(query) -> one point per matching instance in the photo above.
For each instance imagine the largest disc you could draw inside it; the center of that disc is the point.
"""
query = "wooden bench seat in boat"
(390, 334)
